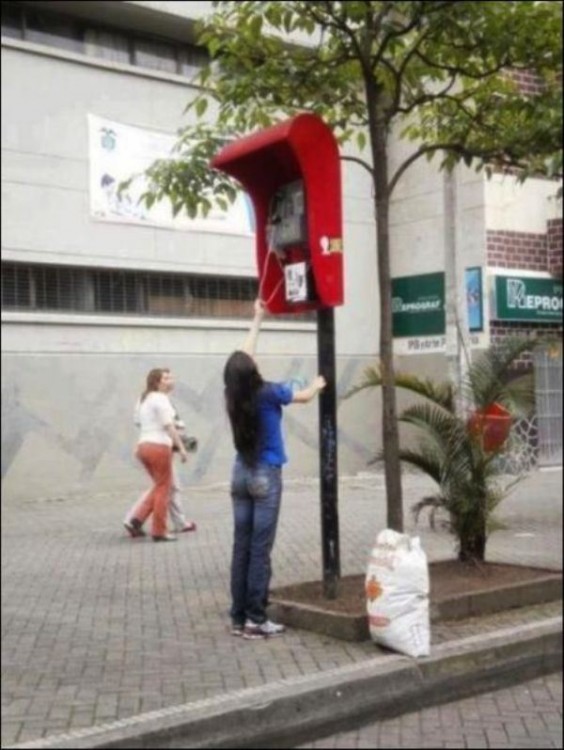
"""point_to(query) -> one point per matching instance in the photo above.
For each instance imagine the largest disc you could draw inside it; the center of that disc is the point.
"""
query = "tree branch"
(457, 70)
(501, 159)
(421, 151)
(418, 101)
(362, 163)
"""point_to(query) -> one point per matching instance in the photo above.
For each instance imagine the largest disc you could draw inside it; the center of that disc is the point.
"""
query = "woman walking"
(254, 407)
(154, 449)
(180, 524)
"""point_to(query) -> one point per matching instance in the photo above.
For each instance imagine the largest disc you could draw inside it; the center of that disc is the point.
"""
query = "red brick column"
(554, 247)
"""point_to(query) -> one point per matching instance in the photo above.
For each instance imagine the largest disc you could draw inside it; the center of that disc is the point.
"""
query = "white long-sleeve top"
(152, 415)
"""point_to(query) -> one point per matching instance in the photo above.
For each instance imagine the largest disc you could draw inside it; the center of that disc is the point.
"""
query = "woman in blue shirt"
(255, 412)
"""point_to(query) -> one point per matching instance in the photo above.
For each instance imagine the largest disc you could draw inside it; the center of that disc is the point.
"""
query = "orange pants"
(157, 459)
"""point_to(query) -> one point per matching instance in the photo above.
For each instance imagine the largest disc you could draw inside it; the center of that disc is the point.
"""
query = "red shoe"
(190, 526)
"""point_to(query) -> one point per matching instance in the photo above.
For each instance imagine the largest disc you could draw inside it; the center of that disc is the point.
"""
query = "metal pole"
(328, 470)
(455, 291)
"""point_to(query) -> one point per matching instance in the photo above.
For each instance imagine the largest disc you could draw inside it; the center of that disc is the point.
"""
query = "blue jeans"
(256, 493)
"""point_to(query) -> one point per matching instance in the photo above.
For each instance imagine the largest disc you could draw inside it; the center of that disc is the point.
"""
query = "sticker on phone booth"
(296, 283)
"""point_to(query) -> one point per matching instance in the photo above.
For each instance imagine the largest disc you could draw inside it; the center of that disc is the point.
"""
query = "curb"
(488, 601)
(354, 627)
(288, 712)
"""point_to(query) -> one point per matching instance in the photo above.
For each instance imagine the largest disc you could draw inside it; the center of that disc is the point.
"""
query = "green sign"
(528, 299)
(418, 305)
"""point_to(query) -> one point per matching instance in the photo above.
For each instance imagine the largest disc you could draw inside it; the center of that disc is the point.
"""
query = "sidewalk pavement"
(97, 627)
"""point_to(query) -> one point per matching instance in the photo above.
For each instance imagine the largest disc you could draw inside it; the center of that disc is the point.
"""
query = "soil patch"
(447, 578)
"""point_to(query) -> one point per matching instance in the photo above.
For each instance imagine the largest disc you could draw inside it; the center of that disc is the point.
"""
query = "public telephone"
(291, 171)
(286, 237)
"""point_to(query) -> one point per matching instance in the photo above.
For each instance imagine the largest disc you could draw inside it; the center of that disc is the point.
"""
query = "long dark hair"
(153, 379)
(242, 383)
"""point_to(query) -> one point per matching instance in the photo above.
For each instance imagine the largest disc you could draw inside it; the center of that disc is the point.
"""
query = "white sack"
(397, 594)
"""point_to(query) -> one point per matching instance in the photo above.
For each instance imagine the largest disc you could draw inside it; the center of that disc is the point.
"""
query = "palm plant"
(456, 447)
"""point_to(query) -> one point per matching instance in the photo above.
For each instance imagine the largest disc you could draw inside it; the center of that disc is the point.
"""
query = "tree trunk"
(473, 549)
(390, 431)
(473, 537)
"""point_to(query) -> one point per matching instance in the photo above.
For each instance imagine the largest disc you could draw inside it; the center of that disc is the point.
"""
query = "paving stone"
(424, 731)
(89, 613)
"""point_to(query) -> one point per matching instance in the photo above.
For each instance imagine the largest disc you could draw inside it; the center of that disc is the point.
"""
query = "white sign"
(118, 152)
(296, 283)
(434, 344)
(518, 299)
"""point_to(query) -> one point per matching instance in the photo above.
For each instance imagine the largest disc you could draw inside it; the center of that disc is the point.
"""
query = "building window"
(155, 55)
(53, 31)
(12, 21)
(548, 392)
(191, 60)
(50, 288)
(115, 292)
(107, 45)
(104, 42)
(16, 287)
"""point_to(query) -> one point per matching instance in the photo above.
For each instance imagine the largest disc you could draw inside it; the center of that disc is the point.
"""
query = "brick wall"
(533, 252)
(500, 330)
(554, 247)
(528, 82)
(517, 250)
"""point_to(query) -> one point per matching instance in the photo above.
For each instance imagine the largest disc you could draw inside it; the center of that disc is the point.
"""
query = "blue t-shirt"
(272, 397)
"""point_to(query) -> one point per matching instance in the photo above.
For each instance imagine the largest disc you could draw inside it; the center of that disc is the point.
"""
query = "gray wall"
(69, 381)
(67, 421)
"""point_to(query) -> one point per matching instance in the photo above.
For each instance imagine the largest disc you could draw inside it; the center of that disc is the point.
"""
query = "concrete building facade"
(76, 339)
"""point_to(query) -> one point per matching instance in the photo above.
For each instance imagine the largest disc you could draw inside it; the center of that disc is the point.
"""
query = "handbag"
(190, 443)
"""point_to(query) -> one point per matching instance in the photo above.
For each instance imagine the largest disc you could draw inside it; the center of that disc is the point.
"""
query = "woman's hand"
(319, 383)
(306, 394)
(183, 455)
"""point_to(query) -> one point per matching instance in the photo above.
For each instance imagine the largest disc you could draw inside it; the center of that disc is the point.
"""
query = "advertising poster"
(117, 152)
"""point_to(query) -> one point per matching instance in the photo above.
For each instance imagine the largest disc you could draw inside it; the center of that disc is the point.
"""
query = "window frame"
(154, 293)
(132, 37)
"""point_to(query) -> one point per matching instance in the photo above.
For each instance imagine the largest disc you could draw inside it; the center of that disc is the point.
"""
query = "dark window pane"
(49, 29)
(46, 289)
(156, 55)
(107, 45)
(59, 289)
(16, 287)
(12, 20)
(168, 295)
(191, 60)
(115, 291)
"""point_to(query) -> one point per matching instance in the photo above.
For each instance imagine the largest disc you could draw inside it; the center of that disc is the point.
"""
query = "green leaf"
(361, 140)
(255, 26)
(201, 107)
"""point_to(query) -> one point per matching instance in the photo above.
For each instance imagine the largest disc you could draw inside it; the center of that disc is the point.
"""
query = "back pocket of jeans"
(258, 484)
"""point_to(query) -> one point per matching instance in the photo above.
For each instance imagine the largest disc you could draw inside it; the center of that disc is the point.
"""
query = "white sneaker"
(266, 629)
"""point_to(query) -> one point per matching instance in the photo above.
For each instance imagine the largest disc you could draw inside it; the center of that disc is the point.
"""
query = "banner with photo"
(117, 152)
